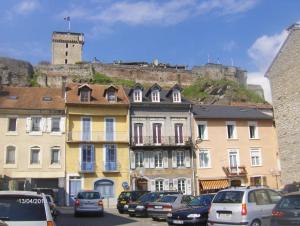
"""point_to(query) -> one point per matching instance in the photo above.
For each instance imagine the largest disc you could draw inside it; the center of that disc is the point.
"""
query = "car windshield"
(88, 195)
(22, 208)
(290, 202)
(203, 200)
(229, 197)
(167, 199)
(125, 195)
(150, 197)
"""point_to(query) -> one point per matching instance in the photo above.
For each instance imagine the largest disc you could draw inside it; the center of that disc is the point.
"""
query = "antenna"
(208, 59)
(231, 62)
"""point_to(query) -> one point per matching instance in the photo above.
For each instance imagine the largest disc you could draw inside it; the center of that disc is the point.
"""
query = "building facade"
(97, 143)
(67, 47)
(32, 139)
(234, 146)
(160, 149)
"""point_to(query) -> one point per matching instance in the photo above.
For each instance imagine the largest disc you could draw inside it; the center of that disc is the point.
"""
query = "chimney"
(63, 86)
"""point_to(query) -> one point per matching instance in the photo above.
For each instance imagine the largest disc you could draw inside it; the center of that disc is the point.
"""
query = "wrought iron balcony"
(236, 171)
(161, 141)
(87, 167)
(97, 136)
(111, 167)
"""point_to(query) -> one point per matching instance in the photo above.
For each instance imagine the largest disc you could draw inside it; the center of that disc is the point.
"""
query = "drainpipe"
(129, 147)
(192, 151)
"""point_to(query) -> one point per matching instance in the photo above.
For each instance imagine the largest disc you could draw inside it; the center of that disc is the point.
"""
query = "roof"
(66, 32)
(31, 98)
(228, 112)
(97, 95)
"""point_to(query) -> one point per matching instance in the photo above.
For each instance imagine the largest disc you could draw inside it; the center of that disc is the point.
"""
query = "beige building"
(32, 140)
(234, 145)
(67, 47)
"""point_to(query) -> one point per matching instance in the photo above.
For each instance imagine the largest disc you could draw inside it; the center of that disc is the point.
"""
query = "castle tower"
(67, 47)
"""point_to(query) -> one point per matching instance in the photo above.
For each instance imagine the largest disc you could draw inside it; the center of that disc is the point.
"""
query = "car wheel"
(121, 211)
(131, 215)
(153, 218)
(256, 223)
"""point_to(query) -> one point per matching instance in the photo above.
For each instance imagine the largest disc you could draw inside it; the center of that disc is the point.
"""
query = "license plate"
(157, 207)
(177, 221)
(225, 216)
(123, 202)
(130, 210)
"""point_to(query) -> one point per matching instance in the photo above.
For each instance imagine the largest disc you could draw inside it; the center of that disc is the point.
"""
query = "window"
(87, 158)
(109, 129)
(178, 133)
(204, 158)
(158, 159)
(36, 124)
(138, 133)
(35, 155)
(233, 159)
(155, 96)
(262, 197)
(84, 95)
(157, 133)
(66, 53)
(12, 125)
(159, 185)
(111, 96)
(55, 124)
(274, 196)
(255, 157)
(67, 45)
(202, 131)
(66, 61)
(137, 95)
(176, 96)
(110, 157)
(86, 128)
(139, 159)
(55, 155)
(10, 155)
(180, 158)
(253, 133)
(231, 130)
(181, 186)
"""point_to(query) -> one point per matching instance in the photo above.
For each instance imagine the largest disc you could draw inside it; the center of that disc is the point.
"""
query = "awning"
(213, 184)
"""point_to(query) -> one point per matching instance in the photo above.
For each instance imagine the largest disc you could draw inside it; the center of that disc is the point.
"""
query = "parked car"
(88, 202)
(24, 208)
(139, 208)
(164, 205)
(52, 205)
(293, 187)
(287, 211)
(196, 212)
(127, 197)
(243, 206)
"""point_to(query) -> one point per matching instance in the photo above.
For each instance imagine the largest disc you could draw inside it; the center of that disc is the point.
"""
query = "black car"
(287, 211)
(196, 213)
(127, 197)
(139, 208)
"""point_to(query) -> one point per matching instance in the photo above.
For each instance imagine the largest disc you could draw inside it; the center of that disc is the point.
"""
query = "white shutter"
(152, 185)
(165, 159)
(151, 158)
(62, 124)
(132, 160)
(174, 159)
(28, 124)
(49, 124)
(175, 184)
(146, 159)
(187, 159)
(188, 186)
(43, 124)
(166, 185)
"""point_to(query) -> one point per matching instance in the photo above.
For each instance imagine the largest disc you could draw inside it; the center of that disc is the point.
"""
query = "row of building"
(111, 139)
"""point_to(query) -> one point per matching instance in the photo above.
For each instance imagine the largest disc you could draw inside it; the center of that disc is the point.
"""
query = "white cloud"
(26, 7)
(229, 46)
(262, 52)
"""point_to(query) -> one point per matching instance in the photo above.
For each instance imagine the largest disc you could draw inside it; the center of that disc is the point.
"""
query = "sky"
(243, 33)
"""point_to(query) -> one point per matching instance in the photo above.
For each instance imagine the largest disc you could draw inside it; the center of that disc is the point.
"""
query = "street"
(111, 217)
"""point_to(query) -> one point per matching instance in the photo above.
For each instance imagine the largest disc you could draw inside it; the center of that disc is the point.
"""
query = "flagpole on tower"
(68, 19)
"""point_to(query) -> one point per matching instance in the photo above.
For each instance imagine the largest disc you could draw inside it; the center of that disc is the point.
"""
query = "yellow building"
(97, 154)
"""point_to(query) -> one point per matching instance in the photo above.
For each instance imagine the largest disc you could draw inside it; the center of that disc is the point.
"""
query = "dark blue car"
(196, 213)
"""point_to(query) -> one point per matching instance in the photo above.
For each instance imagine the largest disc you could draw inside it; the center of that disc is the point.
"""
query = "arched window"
(105, 187)
(10, 155)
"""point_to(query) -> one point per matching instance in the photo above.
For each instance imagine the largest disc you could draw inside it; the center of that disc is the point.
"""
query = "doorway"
(141, 184)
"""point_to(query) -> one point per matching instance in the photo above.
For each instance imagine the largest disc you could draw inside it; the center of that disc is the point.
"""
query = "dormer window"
(111, 96)
(155, 96)
(137, 95)
(176, 96)
(84, 95)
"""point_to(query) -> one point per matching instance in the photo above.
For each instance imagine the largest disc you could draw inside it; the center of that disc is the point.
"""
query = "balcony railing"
(97, 136)
(236, 171)
(87, 167)
(163, 141)
(111, 167)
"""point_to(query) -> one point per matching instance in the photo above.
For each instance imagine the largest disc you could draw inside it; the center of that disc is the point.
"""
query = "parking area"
(111, 217)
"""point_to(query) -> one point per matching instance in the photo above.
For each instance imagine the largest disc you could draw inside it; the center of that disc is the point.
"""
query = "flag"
(67, 18)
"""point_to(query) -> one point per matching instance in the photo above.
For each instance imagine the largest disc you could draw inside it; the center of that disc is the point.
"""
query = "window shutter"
(132, 160)
(152, 161)
(159, 133)
(174, 159)
(187, 159)
(28, 124)
(152, 185)
(176, 133)
(49, 124)
(166, 185)
(175, 184)
(135, 135)
(188, 186)
(43, 124)
(165, 159)
(92, 153)
(62, 124)
(146, 159)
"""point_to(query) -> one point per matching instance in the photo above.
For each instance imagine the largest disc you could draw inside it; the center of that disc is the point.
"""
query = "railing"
(111, 167)
(236, 171)
(97, 136)
(87, 167)
(163, 141)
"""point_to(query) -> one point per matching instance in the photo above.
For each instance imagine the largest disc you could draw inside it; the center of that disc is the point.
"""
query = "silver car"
(88, 202)
(163, 206)
(250, 206)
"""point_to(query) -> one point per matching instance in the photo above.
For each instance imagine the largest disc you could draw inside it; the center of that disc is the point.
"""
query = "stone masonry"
(284, 75)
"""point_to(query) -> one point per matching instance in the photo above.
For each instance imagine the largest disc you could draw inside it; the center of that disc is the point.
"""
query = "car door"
(263, 203)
